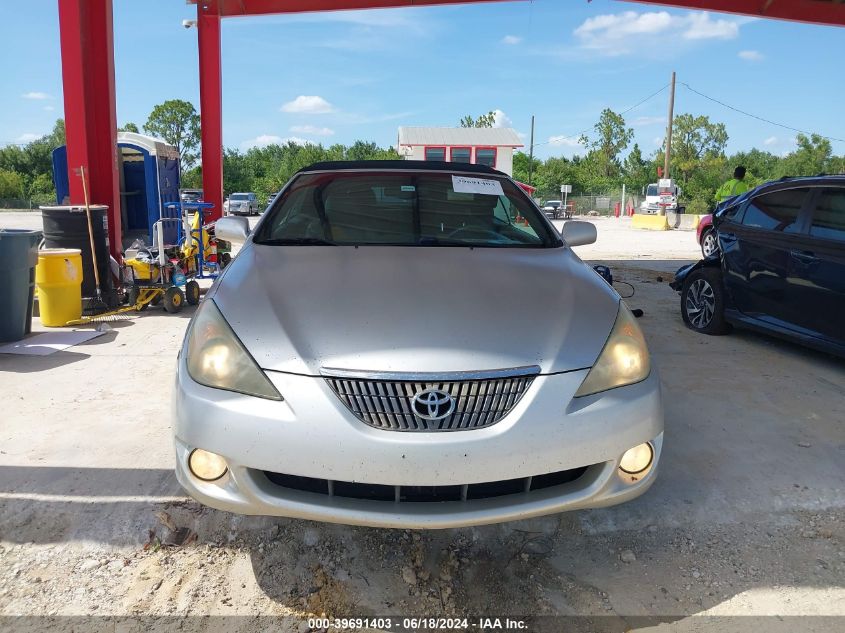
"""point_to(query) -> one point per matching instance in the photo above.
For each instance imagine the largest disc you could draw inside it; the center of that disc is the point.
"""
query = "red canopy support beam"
(211, 104)
(87, 44)
(813, 11)
(267, 7)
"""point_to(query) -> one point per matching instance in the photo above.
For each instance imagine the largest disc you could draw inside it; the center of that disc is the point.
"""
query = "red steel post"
(87, 45)
(211, 104)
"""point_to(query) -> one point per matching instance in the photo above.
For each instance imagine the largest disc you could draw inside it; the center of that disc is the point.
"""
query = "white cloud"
(500, 119)
(642, 121)
(48, 108)
(701, 27)
(564, 141)
(771, 140)
(629, 31)
(658, 141)
(27, 137)
(511, 39)
(36, 96)
(308, 105)
(751, 56)
(311, 129)
(264, 140)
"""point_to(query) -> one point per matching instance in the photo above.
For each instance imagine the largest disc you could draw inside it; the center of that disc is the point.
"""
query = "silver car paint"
(382, 308)
(299, 309)
(312, 434)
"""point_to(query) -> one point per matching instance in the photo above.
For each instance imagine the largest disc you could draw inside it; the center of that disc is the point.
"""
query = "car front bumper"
(311, 434)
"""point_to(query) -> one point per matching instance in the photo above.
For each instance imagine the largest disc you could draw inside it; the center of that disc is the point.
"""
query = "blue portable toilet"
(149, 178)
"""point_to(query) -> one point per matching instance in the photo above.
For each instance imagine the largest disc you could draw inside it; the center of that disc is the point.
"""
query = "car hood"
(298, 309)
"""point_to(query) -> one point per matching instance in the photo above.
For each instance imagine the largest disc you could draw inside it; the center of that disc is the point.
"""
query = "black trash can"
(67, 227)
(18, 257)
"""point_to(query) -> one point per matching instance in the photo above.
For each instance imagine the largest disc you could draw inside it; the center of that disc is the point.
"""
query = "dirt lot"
(747, 517)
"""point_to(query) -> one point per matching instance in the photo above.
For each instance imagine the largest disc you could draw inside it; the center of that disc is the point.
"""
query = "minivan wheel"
(703, 302)
(709, 243)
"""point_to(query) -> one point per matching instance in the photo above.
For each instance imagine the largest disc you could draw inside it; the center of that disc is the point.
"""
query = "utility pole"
(669, 129)
(531, 151)
(622, 208)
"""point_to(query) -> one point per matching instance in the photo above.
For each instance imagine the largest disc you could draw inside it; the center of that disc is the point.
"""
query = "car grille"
(387, 401)
(467, 492)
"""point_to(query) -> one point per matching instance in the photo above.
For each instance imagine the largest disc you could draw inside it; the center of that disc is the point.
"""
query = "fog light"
(637, 459)
(206, 465)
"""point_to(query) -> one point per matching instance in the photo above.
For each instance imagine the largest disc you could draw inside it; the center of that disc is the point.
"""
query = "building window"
(460, 155)
(485, 156)
(435, 153)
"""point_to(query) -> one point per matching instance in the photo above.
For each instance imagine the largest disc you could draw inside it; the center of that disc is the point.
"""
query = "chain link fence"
(26, 204)
(599, 204)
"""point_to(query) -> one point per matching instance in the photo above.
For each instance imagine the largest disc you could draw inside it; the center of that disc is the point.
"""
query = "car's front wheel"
(703, 302)
(709, 243)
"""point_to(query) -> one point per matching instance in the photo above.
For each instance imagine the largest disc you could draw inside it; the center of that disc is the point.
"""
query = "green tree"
(611, 138)
(696, 143)
(192, 178)
(128, 127)
(11, 184)
(637, 171)
(177, 122)
(33, 162)
(483, 120)
(370, 151)
(521, 162)
(813, 156)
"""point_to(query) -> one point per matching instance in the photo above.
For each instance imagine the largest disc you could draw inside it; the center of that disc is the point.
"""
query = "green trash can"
(18, 257)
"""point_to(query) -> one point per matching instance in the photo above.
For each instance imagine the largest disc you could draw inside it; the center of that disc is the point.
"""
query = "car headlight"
(216, 358)
(624, 359)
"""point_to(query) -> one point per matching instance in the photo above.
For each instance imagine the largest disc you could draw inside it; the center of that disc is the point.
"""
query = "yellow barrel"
(58, 277)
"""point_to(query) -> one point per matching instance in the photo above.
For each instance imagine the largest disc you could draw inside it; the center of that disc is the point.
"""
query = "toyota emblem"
(433, 404)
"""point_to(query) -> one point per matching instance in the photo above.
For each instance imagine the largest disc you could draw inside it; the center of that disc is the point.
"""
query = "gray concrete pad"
(746, 517)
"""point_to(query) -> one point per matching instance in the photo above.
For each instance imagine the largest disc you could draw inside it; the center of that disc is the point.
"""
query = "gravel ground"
(747, 517)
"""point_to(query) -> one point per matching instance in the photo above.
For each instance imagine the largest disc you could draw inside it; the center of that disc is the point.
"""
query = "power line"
(759, 118)
(633, 107)
(649, 98)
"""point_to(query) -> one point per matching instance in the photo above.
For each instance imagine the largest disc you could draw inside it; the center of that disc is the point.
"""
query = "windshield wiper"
(436, 241)
(297, 241)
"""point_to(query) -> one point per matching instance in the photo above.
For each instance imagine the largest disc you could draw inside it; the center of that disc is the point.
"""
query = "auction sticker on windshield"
(464, 184)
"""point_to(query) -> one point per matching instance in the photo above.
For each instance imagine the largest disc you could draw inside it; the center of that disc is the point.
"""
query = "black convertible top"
(410, 165)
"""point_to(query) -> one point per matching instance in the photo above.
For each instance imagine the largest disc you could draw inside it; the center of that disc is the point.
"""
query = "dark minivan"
(779, 268)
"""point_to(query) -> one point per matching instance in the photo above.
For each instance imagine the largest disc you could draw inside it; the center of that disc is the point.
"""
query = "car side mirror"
(577, 233)
(232, 229)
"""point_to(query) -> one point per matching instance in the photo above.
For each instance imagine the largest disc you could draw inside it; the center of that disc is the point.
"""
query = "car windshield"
(239, 196)
(651, 191)
(553, 203)
(405, 208)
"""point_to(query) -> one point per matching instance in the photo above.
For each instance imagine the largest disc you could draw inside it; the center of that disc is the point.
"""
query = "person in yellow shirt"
(734, 186)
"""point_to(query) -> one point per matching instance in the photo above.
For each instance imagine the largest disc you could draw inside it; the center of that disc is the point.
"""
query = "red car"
(706, 235)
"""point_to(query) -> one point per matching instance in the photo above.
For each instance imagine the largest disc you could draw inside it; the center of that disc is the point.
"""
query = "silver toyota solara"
(412, 344)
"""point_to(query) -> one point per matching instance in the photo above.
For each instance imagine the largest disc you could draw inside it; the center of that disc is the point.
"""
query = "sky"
(343, 76)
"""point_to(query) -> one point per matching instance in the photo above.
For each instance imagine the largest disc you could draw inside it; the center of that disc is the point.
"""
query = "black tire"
(174, 299)
(132, 299)
(192, 292)
(709, 243)
(703, 302)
